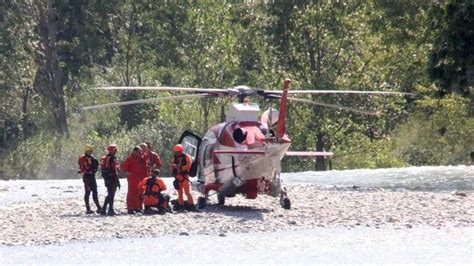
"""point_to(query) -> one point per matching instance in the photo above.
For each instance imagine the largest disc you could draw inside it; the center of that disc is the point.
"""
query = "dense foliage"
(53, 52)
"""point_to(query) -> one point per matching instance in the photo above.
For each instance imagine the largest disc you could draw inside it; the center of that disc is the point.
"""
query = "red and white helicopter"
(242, 155)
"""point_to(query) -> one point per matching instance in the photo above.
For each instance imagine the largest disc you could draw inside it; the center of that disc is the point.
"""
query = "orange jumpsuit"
(135, 166)
(181, 173)
(153, 198)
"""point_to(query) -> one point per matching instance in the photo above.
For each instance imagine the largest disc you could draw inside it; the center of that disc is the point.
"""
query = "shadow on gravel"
(92, 216)
(244, 212)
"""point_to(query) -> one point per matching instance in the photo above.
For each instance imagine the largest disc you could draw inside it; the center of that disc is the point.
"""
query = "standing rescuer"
(88, 166)
(151, 189)
(135, 166)
(180, 165)
(155, 160)
(109, 170)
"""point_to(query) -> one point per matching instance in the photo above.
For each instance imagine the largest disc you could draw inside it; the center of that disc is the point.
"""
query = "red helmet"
(178, 148)
(112, 148)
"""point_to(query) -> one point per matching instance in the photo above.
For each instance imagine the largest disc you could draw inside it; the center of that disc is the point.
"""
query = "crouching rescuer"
(151, 190)
(88, 166)
(180, 165)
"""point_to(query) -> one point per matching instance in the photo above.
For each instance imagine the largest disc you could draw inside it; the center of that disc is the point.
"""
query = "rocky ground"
(62, 220)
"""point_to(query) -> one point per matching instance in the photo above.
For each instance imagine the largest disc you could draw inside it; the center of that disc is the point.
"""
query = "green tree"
(451, 62)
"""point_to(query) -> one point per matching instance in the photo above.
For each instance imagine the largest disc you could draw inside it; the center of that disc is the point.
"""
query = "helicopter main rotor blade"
(170, 89)
(270, 92)
(367, 112)
(149, 100)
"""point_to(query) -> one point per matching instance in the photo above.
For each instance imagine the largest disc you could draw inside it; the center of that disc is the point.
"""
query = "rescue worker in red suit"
(180, 165)
(135, 166)
(155, 160)
(146, 156)
(88, 166)
(109, 171)
(151, 189)
(152, 158)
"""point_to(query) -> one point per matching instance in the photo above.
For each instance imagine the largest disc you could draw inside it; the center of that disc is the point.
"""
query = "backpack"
(104, 170)
(149, 188)
(94, 165)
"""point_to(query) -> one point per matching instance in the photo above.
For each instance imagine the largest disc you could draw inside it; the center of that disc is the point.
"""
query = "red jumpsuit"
(147, 158)
(135, 166)
(155, 161)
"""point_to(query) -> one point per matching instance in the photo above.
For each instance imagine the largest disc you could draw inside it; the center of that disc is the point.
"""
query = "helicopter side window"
(191, 150)
(190, 146)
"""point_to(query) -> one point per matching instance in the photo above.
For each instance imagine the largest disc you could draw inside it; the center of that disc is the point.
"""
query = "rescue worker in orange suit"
(180, 165)
(155, 160)
(88, 166)
(109, 168)
(135, 166)
(151, 189)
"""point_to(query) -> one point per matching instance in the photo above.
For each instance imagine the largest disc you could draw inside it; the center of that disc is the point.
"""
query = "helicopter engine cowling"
(269, 117)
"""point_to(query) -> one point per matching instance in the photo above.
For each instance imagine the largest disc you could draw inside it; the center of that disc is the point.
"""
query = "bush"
(438, 133)
(46, 156)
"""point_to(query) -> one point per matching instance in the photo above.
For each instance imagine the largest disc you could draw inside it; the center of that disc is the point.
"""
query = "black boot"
(111, 209)
(97, 204)
(86, 201)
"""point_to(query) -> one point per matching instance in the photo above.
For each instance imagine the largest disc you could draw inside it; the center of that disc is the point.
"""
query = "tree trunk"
(320, 160)
(24, 112)
(54, 86)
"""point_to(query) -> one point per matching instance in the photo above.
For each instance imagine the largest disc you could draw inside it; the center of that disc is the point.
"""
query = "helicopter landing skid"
(284, 200)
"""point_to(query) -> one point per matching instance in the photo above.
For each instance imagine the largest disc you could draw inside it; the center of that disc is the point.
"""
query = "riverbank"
(60, 217)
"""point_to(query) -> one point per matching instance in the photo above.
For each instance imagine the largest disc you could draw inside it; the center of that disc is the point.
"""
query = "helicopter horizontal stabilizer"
(237, 152)
(309, 153)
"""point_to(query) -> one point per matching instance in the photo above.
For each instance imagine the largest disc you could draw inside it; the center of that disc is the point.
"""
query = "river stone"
(461, 194)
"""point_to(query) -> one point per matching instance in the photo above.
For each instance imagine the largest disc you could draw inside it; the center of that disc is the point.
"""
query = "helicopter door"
(191, 143)
(207, 166)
